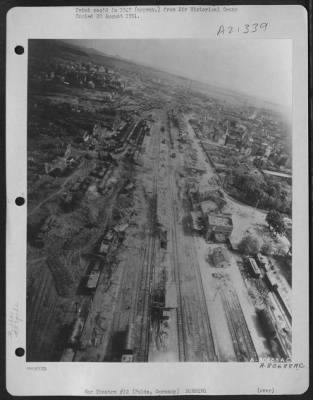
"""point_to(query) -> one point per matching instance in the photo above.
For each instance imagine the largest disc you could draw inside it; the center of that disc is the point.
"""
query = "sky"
(260, 68)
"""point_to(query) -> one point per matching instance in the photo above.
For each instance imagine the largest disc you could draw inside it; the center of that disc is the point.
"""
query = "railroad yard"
(135, 247)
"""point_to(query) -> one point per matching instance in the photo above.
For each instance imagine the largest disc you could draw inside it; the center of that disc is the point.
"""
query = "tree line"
(259, 191)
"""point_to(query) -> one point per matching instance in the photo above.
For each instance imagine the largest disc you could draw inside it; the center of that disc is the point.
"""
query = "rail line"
(118, 322)
(181, 326)
(206, 342)
(210, 346)
(182, 333)
(146, 281)
(241, 338)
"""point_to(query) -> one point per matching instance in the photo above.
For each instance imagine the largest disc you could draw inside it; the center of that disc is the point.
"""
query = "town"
(159, 220)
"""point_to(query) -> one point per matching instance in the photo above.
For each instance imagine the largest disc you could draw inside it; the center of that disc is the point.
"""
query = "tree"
(249, 186)
(249, 245)
(276, 222)
(267, 248)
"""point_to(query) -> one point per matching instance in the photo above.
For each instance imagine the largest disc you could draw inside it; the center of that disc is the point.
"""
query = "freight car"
(74, 340)
(270, 280)
(263, 261)
(268, 326)
(67, 355)
(104, 180)
(266, 322)
(109, 239)
(254, 267)
(283, 303)
(128, 351)
(93, 279)
(78, 326)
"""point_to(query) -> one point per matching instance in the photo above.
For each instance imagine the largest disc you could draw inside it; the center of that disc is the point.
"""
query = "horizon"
(233, 63)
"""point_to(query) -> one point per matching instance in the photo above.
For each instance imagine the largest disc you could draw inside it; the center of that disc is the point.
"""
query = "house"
(288, 228)
(218, 227)
(91, 85)
(208, 206)
(207, 191)
(221, 258)
(196, 218)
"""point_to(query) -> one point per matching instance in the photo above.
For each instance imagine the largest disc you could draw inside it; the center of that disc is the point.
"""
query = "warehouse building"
(218, 227)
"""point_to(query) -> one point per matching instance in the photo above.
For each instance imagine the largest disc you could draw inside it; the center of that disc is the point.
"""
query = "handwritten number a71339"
(246, 28)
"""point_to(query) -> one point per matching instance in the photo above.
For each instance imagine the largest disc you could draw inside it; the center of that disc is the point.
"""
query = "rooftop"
(207, 206)
(220, 220)
(220, 255)
(277, 173)
(171, 295)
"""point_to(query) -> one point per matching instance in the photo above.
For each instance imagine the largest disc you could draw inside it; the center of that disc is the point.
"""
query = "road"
(75, 174)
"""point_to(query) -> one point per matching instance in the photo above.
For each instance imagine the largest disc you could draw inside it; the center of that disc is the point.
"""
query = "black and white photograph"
(157, 200)
(159, 216)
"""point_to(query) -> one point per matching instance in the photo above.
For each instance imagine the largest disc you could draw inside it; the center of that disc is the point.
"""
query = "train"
(68, 355)
(78, 326)
(272, 284)
(270, 280)
(254, 267)
(283, 304)
(163, 238)
(76, 332)
(267, 322)
(93, 279)
(263, 261)
(102, 185)
(93, 276)
(109, 239)
(268, 325)
(128, 354)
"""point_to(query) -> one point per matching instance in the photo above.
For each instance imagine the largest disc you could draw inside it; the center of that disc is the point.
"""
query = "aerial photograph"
(159, 200)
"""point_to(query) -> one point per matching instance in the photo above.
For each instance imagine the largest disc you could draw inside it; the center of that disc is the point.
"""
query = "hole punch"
(19, 352)
(19, 201)
(19, 50)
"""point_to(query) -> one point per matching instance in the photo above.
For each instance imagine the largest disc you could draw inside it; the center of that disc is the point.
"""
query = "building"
(208, 206)
(254, 268)
(221, 258)
(282, 176)
(207, 191)
(197, 221)
(218, 227)
(288, 229)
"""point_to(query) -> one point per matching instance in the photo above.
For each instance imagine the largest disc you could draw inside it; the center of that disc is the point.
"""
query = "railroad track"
(145, 286)
(205, 343)
(181, 326)
(147, 277)
(142, 282)
(241, 338)
(206, 323)
(139, 141)
(182, 332)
